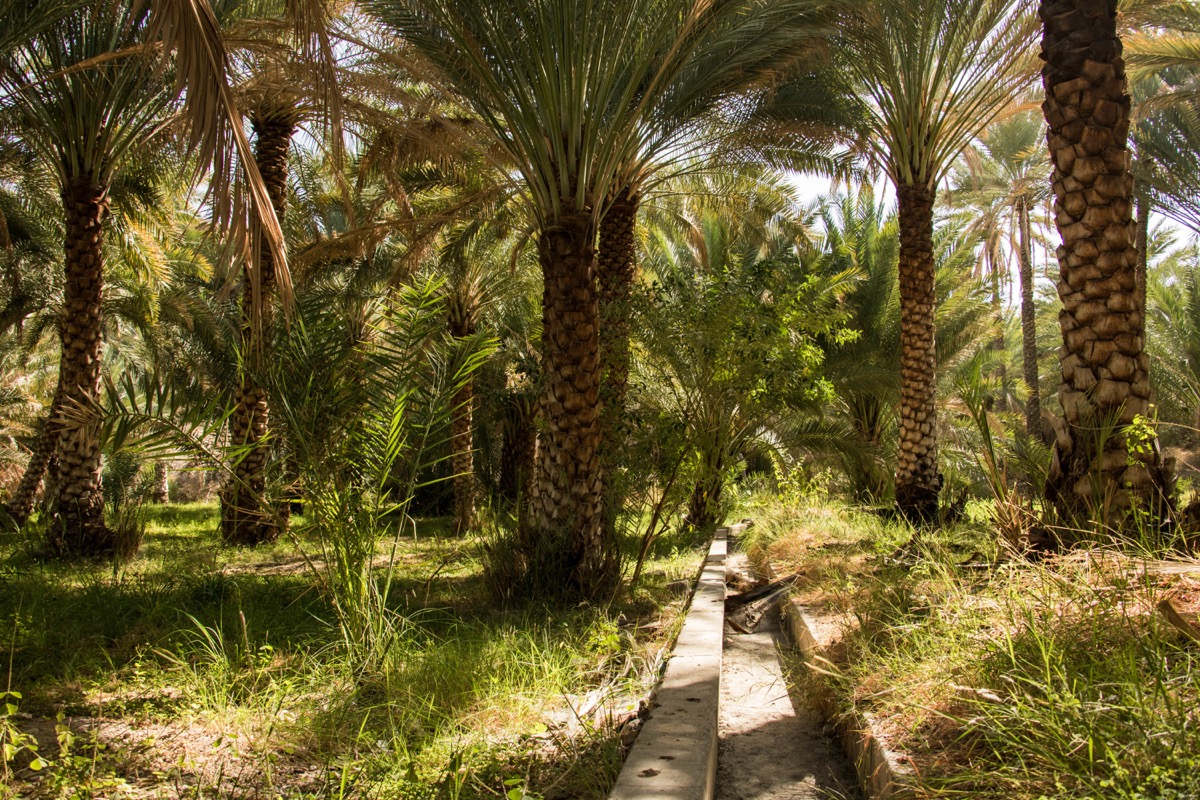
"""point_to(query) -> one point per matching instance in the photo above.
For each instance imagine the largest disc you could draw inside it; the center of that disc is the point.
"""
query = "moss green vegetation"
(1000, 677)
(204, 671)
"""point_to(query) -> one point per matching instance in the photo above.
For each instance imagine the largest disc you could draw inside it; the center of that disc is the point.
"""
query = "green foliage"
(729, 337)
(462, 696)
(370, 415)
(1025, 681)
(13, 741)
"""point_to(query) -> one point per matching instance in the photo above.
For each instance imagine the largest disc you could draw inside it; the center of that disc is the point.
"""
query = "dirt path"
(772, 747)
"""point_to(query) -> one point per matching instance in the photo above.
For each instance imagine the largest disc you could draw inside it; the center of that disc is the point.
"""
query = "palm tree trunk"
(77, 527)
(162, 485)
(1142, 245)
(20, 505)
(246, 515)
(998, 343)
(917, 478)
(615, 269)
(461, 456)
(519, 449)
(566, 499)
(1029, 354)
(1105, 380)
(705, 503)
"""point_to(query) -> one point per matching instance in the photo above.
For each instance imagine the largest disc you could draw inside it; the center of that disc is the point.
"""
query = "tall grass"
(1013, 679)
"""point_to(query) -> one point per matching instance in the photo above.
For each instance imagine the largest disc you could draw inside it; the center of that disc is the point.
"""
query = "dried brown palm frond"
(190, 30)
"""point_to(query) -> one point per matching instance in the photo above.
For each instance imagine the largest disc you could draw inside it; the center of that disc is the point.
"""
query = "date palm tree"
(730, 65)
(1105, 370)
(289, 76)
(931, 75)
(575, 94)
(84, 123)
(1007, 173)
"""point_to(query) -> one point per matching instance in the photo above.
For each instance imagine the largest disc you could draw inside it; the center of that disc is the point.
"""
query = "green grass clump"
(1003, 678)
(209, 671)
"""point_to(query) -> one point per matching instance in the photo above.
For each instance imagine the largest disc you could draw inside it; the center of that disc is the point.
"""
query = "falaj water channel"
(726, 723)
(772, 746)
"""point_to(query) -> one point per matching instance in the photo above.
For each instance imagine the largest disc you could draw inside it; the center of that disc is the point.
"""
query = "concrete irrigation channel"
(725, 723)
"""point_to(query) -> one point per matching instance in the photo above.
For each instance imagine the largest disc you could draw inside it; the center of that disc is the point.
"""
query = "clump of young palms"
(84, 122)
(931, 75)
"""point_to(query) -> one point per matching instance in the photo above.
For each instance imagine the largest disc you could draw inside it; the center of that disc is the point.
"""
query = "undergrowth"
(1001, 677)
(212, 672)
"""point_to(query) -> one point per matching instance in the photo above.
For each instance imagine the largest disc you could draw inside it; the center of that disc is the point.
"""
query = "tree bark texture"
(246, 515)
(1142, 247)
(77, 526)
(918, 480)
(566, 498)
(1029, 352)
(615, 270)
(461, 459)
(519, 449)
(162, 485)
(1105, 380)
(20, 505)
(462, 450)
(704, 506)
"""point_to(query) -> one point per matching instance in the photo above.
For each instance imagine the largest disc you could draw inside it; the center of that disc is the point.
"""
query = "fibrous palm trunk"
(1105, 380)
(917, 478)
(998, 343)
(20, 505)
(519, 449)
(565, 508)
(461, 449)
(246, 515)
(1142, 247)
(1029, 354)
(162, 485)
(77, 527)
(705, 503)
(615, 269)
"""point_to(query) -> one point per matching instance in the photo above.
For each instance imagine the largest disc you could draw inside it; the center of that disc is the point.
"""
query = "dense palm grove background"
(541, 268)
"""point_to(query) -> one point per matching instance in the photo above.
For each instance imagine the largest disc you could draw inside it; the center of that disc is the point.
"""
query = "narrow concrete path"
(772, 746)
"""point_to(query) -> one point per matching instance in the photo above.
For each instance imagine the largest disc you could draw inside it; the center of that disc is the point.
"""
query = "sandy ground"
(772, 747)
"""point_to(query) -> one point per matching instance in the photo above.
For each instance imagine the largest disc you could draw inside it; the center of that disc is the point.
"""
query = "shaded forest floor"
(997, 677)
(200, 671)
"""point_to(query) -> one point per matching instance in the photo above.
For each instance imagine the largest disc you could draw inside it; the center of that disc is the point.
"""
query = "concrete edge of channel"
(880, 770)
(675, 754)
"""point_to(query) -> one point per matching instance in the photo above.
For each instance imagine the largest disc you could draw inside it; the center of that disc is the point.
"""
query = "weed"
(1017, 679)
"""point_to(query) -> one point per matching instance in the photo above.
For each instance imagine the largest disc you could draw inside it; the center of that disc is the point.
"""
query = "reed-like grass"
(1003, 677)
(206, 671)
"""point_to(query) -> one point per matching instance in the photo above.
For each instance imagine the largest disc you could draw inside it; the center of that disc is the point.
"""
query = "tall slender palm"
(1007, 173)
(84, 123)
(861, 240)
(575, 94)
(285, 44)
(246, 517)
(932, 74)
(475, 276)
(1105, 370)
